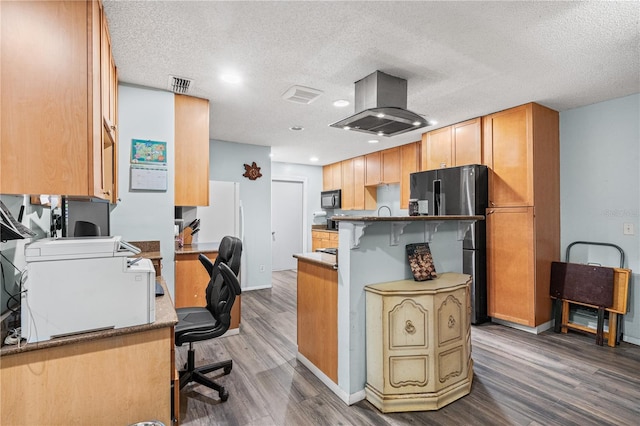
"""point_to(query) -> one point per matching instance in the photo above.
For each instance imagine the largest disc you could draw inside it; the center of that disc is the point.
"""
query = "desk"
(109, 377)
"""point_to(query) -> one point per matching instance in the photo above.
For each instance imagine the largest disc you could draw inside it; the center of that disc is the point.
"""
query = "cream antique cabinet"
(418, 343)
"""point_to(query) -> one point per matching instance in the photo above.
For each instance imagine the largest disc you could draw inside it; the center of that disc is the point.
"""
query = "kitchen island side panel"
(375, 260)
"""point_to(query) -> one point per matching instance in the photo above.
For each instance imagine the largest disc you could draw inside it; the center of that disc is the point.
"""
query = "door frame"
(303, 180)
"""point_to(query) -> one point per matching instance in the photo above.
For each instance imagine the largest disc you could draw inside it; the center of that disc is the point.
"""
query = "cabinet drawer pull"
(409, 328)
(452, 321)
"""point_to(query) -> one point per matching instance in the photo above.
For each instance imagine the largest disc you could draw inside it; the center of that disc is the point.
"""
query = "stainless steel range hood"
(381, 106)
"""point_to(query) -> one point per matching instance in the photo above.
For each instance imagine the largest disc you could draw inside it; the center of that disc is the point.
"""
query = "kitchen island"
(372, 250)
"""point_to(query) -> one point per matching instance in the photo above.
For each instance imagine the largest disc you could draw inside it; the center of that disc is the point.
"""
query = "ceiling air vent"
(179, 85)
(301, 95)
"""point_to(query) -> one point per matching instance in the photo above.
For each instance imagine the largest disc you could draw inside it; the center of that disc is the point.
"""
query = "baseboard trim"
(632, 340)
(347, 398)
(533, 330)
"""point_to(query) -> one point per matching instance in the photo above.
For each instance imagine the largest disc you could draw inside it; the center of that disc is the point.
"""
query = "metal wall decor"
(252, 171)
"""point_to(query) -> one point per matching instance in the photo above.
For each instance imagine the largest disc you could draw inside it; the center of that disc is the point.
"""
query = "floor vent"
(179, 85)
(301, 95)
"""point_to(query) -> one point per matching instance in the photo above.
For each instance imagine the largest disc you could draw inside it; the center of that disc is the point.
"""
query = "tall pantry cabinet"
(53, 136)
(521, 148)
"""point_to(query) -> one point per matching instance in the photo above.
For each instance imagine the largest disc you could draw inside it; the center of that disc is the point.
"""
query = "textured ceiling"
(461, 60)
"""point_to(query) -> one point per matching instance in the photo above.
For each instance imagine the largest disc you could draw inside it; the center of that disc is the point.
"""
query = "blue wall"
(600, 188)
(146, 215)
(226, 162)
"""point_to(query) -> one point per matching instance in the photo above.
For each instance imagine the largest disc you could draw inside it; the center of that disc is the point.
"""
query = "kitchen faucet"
(387, 207)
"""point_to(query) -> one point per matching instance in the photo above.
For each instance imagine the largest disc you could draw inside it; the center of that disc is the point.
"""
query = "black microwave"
(330, 199)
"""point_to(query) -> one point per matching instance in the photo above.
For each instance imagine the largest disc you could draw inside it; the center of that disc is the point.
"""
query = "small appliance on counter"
(78, 285)
(332, 225)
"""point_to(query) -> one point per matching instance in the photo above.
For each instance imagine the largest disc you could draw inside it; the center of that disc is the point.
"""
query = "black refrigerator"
(462, 191)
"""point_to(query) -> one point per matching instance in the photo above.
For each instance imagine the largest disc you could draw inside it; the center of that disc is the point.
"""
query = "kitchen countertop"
(322, 259)
(198, 248)
(403, 218)
(165, 317)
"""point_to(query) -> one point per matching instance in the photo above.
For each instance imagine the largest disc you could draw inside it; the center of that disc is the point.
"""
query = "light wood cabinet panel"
(509, 154)
(115, 380)
(510, 265)
(51, 99)
(191, 283)
(437, 149)
(323, 239)
(467, 142)
(382, 167)
(332, 176)
(191, 136)
(373, 168)
(409, 163)
(355, 195)
(391, 165)
(317, 319)
(348, 185)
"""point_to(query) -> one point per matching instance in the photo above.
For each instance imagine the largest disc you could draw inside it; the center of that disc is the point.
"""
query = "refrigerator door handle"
(241, 213)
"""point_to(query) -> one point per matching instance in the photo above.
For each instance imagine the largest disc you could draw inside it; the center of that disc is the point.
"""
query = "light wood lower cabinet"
(191, 284)
(117, 380)
(318, 316)
(418, 343)
(518, 267)
(323, 239)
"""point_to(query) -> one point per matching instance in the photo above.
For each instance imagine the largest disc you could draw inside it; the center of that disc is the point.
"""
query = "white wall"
(146, 215)
(313, 174)
(227, 160)
(599, 188)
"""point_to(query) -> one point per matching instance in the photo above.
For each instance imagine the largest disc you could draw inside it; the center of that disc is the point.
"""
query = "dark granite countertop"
(198, 248)
(165, 317)
(403, 218)
(322, 259)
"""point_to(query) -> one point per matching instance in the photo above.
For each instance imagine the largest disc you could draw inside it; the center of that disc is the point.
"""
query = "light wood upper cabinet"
(382, 167)
(437, 149)
(51, 100)
(332, 176)
(522, 151)
(348, 185)
(391, 165)
(456, 145)
(192, 151)
(467, 142)
(373, 168)
(409, 163)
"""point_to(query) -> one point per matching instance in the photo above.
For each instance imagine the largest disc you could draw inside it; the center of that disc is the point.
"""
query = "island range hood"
(381, 107)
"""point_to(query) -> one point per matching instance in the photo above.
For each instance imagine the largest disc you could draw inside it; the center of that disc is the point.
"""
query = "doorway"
(288, 222)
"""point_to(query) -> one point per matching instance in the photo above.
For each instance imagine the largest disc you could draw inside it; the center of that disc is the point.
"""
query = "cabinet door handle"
(106, 192)
(409, 327)
(491, 212)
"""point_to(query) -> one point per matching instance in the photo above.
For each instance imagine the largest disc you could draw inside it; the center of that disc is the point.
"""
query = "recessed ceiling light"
(432, 122)
(380, 133)
(380, 115)
(296, 128)
(347, 128)
(313, 159)
(231, 78)
(340, 103)
(373, 141)
(416, 123)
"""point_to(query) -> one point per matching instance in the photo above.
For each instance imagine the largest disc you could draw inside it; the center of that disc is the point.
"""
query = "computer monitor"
(89, 211)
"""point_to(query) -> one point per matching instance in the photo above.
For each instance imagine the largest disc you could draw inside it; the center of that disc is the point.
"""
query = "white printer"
(76, 285)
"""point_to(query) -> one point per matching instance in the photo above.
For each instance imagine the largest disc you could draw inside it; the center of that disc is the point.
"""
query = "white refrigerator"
(223, 216)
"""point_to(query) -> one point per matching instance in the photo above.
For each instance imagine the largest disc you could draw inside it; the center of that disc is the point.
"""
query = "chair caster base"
(224, 395)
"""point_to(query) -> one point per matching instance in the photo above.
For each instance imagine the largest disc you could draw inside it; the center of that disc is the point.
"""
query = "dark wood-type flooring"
(520, 378)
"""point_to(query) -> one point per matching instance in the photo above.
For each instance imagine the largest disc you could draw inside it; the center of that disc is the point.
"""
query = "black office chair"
(197, 323)
(86, 229)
